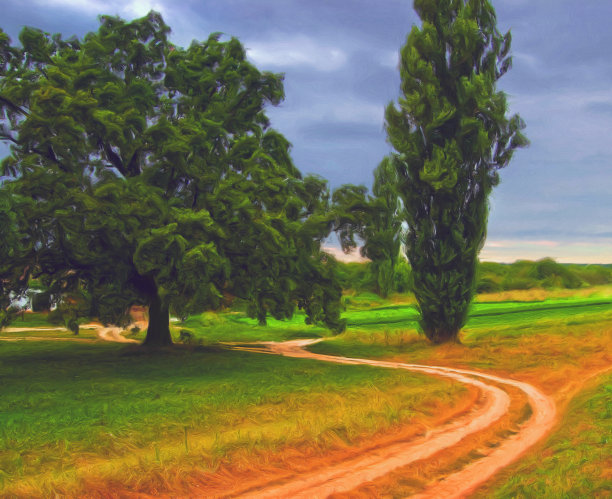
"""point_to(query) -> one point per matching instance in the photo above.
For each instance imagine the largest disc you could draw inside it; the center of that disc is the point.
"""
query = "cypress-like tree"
(151, 176)
(451, 134)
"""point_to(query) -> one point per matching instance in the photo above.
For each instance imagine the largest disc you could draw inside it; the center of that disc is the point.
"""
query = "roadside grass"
(74, 414)
(32, 319)
(492, 327)
(74, 417)
(235, 326)
(554, 344)
(540, 294)
(575, 461)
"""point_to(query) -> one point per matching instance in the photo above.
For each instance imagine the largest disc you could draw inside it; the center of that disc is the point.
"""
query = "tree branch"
(114, 158)
(13, 106)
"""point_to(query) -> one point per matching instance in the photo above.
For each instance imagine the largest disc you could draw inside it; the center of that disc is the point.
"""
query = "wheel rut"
(347, 475)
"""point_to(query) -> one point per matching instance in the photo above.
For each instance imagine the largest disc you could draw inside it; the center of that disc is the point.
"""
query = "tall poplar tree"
(154, 178)
(452, 135)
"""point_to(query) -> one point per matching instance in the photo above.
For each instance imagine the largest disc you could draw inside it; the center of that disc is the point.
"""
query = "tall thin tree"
(452, 134)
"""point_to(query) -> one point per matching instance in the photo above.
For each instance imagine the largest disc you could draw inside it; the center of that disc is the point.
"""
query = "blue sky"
(339, 58)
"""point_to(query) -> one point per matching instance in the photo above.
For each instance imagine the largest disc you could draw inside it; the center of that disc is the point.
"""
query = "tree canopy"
(451, 134)
(377, 220)
(149, 174)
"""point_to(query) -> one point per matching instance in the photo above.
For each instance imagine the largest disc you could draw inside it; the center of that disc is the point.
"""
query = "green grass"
(211, 327)
(576, 460)
(62, 400)
(548, 343)
(32, 319)
(393, 329)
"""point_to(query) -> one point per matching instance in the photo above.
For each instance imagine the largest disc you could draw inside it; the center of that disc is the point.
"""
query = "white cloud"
(129, 9)
(298, 50)
(139, 8)
(390, 59)
(523, 58)
(355, 111)
(511, 250)
(341, 109)
(84, 5)
(338, 254)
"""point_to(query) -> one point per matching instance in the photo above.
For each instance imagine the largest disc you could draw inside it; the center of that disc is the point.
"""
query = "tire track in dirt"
(348, 475)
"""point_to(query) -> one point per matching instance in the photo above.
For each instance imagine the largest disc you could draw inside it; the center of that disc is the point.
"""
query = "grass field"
(81, 416)
(576, 461)
(550, 343)
(75, 416)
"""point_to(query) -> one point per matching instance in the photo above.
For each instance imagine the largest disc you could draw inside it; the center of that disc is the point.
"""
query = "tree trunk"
(158, 331)
(437, 337)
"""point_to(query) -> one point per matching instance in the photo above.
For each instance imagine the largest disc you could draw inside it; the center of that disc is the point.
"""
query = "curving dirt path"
(25, 329)
(349, 474)
(104, 333)
(113, 334)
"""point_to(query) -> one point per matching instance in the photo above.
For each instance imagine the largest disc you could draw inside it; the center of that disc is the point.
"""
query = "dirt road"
(104, 333)
(345, 476)
(350, 474)
(113, 334)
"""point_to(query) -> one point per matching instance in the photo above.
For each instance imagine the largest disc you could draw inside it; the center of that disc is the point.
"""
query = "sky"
(339, 59)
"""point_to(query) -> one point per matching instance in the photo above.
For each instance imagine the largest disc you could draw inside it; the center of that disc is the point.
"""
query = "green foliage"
(149, 175)
(451, 136)
(383, 232)
(354, 276)
(545, 273)
(402, 277)
(13, 281)
(377, 221)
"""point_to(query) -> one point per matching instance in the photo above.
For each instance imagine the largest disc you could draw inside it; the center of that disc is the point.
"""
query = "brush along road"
(347, 475)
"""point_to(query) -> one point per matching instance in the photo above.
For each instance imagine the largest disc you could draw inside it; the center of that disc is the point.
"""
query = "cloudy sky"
(340, 58)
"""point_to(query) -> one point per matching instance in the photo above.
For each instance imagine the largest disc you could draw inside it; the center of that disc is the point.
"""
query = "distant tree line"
(491, 277)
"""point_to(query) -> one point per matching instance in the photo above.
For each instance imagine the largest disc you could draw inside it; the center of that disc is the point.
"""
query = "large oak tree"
(150, 175)
(452, 135)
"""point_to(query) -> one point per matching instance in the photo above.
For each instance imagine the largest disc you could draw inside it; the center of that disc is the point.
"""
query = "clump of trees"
(451, 135)
(491, 277)
(544, 273)
(145, 173)
(377, 221)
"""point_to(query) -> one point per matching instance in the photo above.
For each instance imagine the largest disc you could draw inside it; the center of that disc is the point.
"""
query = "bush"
(553, 275)
(403, 277)
(488, 285)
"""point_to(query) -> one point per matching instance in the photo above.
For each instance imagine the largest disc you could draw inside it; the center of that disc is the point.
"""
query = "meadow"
(78, 417)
